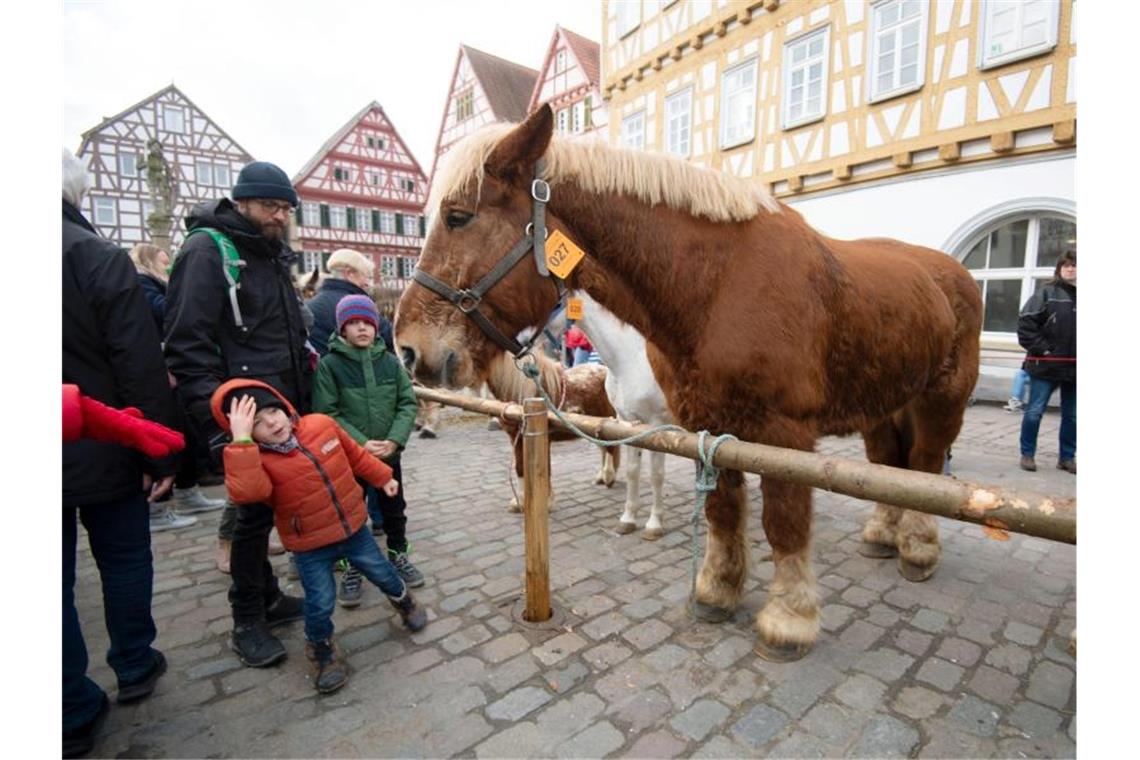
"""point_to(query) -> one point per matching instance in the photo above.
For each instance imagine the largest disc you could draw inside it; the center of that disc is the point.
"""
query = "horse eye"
(456, 219)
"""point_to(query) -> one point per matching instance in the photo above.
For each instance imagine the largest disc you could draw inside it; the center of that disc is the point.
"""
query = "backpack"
(232, 264)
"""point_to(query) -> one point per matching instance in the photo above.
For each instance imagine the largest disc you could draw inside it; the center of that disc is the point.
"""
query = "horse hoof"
(877, 551)
(915, 573)
(514, 508)
(652, 534)
(625, 528)
(780, 652)
(708, 613)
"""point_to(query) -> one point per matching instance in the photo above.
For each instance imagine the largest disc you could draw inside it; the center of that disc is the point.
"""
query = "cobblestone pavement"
(972, 663)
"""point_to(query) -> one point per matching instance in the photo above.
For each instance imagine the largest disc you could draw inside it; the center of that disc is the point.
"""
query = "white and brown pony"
(581, 390)
(772, 331)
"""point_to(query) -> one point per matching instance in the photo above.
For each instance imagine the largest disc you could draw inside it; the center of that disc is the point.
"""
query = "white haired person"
(350, 274)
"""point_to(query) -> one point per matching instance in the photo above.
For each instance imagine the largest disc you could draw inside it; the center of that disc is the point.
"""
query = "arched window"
(1012, 259)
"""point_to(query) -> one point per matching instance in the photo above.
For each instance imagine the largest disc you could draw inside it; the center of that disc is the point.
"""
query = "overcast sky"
(281, 77)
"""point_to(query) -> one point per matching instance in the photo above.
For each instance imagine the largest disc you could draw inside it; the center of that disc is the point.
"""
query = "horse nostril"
(409, 355)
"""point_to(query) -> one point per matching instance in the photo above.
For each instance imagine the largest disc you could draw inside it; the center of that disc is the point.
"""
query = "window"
(805, 78)
(407, 264)
(563, 118)
(388, 266)
(221, 175)
(627, 15)
(374, 178)
(678, 122)
(341, 173)
(408, 185)
(387, 222)
(1015, 29)
(128, 165)
(338, 217)
(350, 217)
(380, 144)
(465, 105)
(588, 112)
(896, 48)
(310, 213)
(371, 141)
(1012, 261)
(106, 212)
(559, 61)
(738, 105)
(364, 220)
(310, 260)
(633, 131)
(204, 173)
(576, 117)
(174, 119)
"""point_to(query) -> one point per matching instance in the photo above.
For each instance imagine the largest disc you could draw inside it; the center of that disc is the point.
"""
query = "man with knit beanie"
(365, 388)
(249, 325)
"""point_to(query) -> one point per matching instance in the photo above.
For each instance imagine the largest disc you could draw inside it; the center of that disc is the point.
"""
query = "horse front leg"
(627, 523)
(788, 624)
(654, 529)
(725, 568)
(607, 474)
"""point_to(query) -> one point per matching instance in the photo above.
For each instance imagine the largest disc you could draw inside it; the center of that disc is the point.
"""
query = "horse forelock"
(596, 167)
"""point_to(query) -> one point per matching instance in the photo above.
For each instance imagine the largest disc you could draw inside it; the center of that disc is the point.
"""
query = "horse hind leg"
(885, 444)
(627, 523)
(607, 474)
(720, 581)
(654, 528)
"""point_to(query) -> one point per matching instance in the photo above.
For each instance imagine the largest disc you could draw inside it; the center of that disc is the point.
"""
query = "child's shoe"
(325, 665)
(413, 615)
(412, 576)
(1013, 405)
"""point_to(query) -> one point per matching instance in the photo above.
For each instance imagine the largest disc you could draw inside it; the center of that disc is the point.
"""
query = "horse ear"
(515, 154)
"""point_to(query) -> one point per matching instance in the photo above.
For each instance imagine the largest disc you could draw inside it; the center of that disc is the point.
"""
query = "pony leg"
(654, 529)
(627, 523)
(788, 624)
(721, 579)
(515, 505)
(884, 444)
(608, 472)
(918, 544)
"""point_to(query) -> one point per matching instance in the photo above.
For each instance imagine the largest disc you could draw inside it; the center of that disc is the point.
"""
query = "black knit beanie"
(263, 398)
(262, 179)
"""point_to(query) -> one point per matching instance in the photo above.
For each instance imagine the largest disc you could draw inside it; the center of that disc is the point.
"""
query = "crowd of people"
(219, 346)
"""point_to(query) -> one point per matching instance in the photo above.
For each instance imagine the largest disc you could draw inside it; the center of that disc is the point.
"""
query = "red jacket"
(575, 338)
(313, 490)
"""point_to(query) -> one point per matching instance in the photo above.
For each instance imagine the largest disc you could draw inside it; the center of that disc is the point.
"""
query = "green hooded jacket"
(366, 391)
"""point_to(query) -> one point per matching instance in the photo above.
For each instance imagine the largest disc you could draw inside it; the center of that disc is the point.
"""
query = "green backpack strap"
(231, 265)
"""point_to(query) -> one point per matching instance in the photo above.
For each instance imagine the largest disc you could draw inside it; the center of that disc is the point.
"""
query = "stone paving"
(972, 663)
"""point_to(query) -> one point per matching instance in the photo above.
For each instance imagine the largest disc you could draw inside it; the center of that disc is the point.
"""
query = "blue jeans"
(1020, 380)
(316, 569)
(581, 356)
(1039, 393)
(119, 535)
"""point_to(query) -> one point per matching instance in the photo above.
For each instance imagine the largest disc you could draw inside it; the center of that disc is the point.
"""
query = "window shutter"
(325, 215)
(350, 217)
(423, 228)
(297, 215)
(399, 224)
(375, 220)
(588, 105)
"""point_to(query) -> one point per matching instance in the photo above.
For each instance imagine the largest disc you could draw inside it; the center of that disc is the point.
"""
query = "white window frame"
(338, 217)
(387, 223)
(405, 267)
(311, 260)
(134, 160)
(100, 205)
(222, 176)
(748, 93)
(311, 214)
(407, 184)
(167, 112)
(562, 121)
(465, 98)
(204, 169)
(790, 68)
(560, 61)
(364, 219)
(682, 120)
(627, 16)
(988, 61)
(576, 112)
(633, 131)
(387, 266)
(873, 40)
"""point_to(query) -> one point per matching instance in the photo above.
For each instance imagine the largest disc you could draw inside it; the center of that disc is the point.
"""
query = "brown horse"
(581, 390)
(772, 331)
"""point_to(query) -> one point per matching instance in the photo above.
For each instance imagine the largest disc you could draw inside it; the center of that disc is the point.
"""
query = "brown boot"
(222, 556)
(1069, 465)
(413, 615)
(1027, 463)
(326, 667)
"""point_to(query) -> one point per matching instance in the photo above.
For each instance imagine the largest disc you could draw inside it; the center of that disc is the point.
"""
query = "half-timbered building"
(362, 190)
(202, 163)
(570, 81)
(949, 123)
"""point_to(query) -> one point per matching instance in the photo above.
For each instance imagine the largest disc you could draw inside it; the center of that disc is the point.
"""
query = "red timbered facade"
(203, 164)
(362, 190)
(570, 81)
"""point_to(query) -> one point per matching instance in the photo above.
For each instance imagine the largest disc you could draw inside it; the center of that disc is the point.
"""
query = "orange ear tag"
(561, 254)
(573, 308)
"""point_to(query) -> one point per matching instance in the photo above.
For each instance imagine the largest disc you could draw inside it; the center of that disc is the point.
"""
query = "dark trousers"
(388, 511)
(254, 585)
(119, 535)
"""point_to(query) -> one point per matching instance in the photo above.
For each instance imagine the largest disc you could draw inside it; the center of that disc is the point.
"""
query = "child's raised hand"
(391, 488)
(241, 417)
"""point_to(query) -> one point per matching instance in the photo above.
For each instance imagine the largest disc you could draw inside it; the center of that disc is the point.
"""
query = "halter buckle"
(467, 301)
(540, 190)
(529, 231)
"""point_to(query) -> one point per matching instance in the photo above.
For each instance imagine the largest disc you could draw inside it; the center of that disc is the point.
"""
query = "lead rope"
(707, 473)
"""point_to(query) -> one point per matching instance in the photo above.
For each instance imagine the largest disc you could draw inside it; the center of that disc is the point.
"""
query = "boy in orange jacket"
(305, 468)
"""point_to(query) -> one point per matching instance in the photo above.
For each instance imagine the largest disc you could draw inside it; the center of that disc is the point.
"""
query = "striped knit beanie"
(356, 307)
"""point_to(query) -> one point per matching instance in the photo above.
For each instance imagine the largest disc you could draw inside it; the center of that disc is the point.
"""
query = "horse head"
(480, 207)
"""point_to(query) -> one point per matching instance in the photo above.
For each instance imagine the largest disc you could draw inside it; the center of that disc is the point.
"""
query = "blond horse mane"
(508, 383)
(595, 167)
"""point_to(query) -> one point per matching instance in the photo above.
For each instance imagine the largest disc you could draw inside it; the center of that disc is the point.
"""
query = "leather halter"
(468, 299)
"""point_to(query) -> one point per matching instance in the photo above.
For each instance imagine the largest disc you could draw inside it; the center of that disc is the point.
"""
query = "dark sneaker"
(138, 689)
(256, 647)
(285, 610)
(327, 669)
(79, 741)
(1027, 463)
(1069, 465)
(427, 432)
(406, 569)
(413, 615)
(351, 592)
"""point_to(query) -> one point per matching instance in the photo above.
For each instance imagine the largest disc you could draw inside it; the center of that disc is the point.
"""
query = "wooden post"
(536, 515)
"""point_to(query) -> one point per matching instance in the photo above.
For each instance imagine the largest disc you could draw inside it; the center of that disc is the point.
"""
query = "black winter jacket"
(204, 346)
(323, 306)
(111, 351)
(1047, 330)
(154, 290)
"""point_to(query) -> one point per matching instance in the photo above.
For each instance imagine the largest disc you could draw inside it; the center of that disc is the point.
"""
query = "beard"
(273, 230)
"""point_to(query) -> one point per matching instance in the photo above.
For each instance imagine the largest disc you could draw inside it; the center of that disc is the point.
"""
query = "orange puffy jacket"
(313, 490)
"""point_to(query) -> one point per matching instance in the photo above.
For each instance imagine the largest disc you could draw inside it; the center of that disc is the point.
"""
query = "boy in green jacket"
(362, 386)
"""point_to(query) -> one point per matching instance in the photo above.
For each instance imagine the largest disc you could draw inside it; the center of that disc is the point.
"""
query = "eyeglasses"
(273, 206)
